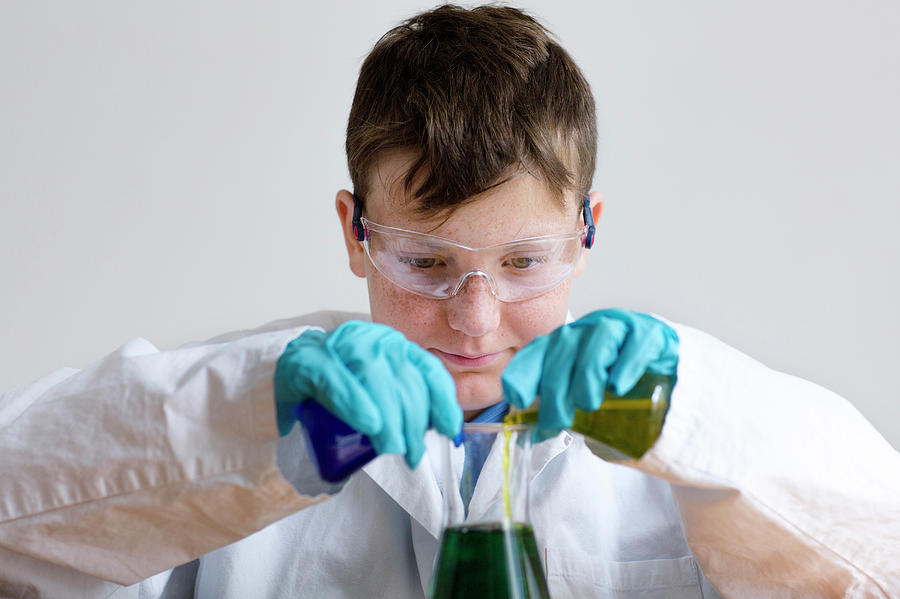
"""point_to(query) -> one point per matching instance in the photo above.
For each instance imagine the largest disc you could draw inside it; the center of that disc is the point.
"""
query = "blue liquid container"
(337, 450)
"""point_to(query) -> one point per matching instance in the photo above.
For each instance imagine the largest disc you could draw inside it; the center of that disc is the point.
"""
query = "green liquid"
(625, 426)
(489, 561)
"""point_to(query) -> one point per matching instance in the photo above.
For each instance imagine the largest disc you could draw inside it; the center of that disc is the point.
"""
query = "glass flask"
(336, 449)
(487, 547)
(625, 426)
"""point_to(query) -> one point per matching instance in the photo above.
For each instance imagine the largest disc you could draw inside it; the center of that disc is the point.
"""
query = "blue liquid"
(336, 449)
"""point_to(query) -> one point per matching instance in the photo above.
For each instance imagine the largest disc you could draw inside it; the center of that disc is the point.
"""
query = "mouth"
(467, 361)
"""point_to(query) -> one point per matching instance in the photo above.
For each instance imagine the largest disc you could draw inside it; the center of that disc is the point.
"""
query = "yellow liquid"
(507, 435)
(625, 426)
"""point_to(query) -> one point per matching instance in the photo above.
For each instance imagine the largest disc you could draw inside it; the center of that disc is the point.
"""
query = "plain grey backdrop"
(168, 170)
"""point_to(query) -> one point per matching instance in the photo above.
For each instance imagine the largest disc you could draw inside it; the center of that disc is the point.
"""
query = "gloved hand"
(572, 366)
(375, 380)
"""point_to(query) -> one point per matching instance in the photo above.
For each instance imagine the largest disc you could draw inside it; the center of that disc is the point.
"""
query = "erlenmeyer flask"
(624, 427)
(488, 548)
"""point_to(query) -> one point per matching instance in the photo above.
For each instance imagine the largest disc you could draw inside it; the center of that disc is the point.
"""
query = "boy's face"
(473, 333)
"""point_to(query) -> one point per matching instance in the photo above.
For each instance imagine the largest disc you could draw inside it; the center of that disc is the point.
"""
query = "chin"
(476, 392)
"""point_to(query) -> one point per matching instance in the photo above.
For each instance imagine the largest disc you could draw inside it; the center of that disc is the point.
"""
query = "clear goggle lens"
(438, 268)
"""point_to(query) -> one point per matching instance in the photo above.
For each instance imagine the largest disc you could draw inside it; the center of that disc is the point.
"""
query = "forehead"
(520, 207)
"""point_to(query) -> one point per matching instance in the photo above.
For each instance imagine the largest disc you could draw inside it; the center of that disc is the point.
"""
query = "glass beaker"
(487, 546)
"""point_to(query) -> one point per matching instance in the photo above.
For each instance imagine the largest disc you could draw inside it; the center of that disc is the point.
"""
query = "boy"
(471, 146)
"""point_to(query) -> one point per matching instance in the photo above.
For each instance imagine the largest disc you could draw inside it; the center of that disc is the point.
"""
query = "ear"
(596, 210)
(344, 205)
(596, 205)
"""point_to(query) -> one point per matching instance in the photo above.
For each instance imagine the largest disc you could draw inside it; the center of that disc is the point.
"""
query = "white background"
(168, 170)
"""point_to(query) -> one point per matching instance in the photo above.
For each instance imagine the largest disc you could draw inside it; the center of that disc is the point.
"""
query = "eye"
(421, 263)
(524, 262)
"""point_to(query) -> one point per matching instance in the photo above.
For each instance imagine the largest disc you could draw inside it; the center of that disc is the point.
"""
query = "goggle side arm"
(589, 223)
(359, 231)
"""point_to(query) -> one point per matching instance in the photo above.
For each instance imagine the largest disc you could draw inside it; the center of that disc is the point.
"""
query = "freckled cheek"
(420, 319)
(411, 314)
(539, 316)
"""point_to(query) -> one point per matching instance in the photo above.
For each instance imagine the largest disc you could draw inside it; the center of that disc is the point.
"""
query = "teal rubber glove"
(375, 380)
(572, 366)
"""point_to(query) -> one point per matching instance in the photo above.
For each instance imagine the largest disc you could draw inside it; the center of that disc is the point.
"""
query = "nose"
(474, 310)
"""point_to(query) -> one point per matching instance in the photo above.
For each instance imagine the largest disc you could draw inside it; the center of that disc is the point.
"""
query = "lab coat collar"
(419, 494)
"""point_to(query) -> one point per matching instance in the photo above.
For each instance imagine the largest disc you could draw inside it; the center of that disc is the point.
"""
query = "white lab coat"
(769, 485)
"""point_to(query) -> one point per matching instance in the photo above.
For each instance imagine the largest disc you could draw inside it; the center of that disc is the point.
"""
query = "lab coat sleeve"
(785, 490)
(146, 459)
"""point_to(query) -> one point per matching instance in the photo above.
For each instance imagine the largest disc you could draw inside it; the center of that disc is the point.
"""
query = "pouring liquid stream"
(494, 557)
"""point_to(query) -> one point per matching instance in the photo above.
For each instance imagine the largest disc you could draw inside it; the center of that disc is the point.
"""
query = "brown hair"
(477, 95)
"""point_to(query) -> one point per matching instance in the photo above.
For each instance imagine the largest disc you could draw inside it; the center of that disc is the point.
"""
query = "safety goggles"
(438, 268)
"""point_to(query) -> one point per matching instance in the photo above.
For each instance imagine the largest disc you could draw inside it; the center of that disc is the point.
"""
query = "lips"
(467, 361)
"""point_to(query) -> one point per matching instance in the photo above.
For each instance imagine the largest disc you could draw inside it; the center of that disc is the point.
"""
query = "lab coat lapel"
(543, 453)
(416, 491)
